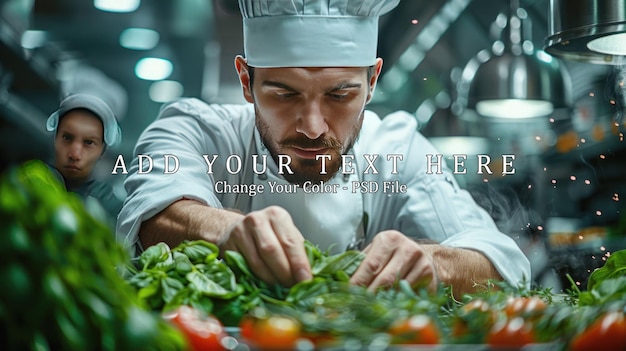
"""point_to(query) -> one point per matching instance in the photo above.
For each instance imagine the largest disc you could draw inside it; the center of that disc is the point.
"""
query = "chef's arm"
(465, 270)
(187, 220)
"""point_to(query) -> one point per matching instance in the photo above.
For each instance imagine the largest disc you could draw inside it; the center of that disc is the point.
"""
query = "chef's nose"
(312, 122)
(75, 152)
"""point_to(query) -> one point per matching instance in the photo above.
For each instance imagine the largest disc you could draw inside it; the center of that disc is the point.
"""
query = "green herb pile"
(194, 274)
(62, 290)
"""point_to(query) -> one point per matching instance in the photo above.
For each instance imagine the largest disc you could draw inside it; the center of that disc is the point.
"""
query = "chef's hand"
(391, 257)
(272, 246)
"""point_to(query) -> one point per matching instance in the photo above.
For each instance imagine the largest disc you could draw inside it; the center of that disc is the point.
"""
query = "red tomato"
(481, 309)
(459, 328)
(201, 331)
(246, 327)
(607, 333)
(321, 340)
(514, 332)
(418, 329)
(524, 306)
(476, 305)
(270, 332)
(476, 312)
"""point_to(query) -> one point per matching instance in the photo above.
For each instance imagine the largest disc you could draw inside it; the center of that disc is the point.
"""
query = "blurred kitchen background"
(559, 112)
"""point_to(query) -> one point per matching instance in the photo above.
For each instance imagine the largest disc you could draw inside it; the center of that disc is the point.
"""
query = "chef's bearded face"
(307, 167)
(306, 112)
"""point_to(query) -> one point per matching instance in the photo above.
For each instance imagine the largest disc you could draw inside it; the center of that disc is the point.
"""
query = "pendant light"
(517, 81)
(592, 31)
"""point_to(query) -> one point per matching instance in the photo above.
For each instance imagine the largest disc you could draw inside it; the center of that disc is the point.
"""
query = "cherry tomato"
(418, 329)
(473, 319)
(524, 306)
(246, 327)
(607, 333)
(321, 340)
(202, 332)
(480, 309)
(270, 332)
(476, 305)
(460, 329)
(513, 332)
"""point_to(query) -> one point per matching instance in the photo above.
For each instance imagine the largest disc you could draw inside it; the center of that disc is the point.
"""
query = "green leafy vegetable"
(192, 273)
(62, 288)
(614, 267)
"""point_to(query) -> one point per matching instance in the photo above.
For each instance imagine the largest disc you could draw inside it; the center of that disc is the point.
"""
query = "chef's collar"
(312, 33)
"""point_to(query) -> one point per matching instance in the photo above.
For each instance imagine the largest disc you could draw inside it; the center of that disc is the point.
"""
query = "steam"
(521, 223)
(503, 205)
(615, 91)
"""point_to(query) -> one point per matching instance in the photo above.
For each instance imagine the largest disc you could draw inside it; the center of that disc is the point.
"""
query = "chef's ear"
(243, 70)
(373, 77)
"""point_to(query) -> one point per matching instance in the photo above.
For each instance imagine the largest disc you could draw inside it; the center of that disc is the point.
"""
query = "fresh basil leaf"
(304, 290)
(182, 297)
(154, 254)
(182, 265)
(341, 276)
(170, 288)
(208, 287)
(199, 251)
(149, 290)
(140, 280)
(313, 252)
(236, 260)
(347, 261)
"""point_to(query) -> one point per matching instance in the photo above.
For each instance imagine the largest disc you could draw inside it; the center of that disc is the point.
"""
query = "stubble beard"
(307, 169)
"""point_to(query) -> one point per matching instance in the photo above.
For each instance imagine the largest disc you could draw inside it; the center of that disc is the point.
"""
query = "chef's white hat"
(312, 33)
(112, 132)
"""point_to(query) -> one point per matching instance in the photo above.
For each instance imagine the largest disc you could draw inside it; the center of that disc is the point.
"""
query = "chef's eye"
(286, 95)
(339, 96)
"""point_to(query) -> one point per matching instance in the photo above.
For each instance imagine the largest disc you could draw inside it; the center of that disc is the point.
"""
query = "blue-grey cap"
(112, 131)
(312, 33)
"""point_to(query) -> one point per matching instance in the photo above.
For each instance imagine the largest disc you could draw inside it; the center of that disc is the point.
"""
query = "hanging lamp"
(517, 81)
(592, 31)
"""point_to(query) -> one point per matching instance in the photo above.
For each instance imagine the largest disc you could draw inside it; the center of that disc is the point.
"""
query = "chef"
(308, 72)
(84, 126)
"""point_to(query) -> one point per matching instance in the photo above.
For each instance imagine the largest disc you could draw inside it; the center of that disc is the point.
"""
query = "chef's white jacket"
(433, 206)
